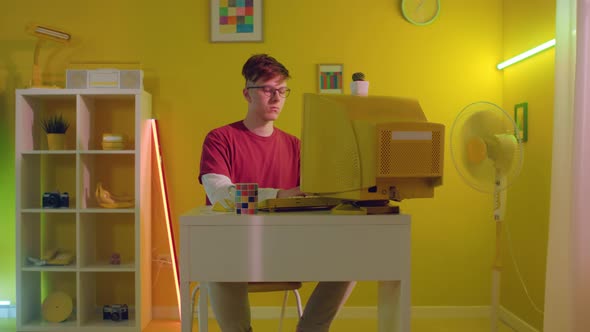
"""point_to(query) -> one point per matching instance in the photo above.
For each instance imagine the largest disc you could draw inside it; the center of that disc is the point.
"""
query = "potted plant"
(55, 126)
(358, 86)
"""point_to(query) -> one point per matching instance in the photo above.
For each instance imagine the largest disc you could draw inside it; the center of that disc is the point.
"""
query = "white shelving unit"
(89, 231)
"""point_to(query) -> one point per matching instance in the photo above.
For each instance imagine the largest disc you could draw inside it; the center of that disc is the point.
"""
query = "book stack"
(113, 142)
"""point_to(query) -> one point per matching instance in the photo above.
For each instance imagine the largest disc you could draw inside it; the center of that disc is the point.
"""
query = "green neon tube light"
(526, 54)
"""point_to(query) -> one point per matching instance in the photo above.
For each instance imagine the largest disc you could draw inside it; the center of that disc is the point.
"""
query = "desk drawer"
(296, 252)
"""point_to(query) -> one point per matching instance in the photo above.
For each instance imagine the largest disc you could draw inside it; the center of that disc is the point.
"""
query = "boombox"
(104, 78)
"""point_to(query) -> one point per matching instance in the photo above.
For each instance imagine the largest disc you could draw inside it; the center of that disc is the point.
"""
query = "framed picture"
(521, 118)
(330, 78)
(236, 20)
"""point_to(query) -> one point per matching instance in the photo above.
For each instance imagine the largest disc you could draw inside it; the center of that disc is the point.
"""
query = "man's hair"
(263, 66)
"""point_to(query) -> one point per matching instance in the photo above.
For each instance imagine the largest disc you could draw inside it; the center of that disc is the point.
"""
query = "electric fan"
(488, 155)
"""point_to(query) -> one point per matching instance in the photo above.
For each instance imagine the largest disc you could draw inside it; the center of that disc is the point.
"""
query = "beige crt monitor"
(369, 148)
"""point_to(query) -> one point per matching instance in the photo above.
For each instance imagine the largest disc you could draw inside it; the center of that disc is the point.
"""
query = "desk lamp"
(43, 32)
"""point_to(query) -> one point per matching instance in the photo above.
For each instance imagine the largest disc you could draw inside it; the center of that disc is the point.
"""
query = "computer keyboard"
(298, 203)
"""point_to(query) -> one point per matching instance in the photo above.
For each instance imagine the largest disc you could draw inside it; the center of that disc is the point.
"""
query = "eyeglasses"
(269, 91)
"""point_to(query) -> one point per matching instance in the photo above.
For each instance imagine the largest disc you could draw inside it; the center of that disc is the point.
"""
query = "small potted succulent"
(55, 127)
(358, 86)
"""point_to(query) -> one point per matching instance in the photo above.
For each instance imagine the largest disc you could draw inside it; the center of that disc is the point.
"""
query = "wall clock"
(420, 12)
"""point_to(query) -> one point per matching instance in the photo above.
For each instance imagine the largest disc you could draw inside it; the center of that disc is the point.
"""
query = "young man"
(254, 150)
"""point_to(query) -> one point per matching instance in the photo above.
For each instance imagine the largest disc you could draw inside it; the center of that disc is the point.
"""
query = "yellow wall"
(527, 217)
(196, 86)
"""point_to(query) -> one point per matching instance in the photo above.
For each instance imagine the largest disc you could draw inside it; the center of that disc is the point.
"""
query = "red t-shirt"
(242, 156)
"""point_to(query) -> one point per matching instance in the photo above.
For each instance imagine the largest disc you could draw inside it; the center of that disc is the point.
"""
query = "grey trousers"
(230, 304)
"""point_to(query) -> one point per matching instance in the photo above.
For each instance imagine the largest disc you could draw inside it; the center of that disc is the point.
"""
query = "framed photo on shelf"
(236, 20)
(522, 122)
(330, 78)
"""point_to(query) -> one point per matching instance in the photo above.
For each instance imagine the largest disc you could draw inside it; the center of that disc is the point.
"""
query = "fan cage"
(485, 184)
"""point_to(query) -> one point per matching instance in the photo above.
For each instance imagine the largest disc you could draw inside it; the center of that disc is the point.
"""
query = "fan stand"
(484, 131)
(499, 213)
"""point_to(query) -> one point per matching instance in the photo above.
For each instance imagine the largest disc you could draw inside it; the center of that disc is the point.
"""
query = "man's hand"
(290, 192)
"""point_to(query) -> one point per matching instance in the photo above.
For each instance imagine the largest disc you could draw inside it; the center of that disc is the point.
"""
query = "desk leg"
(394, 306)
(185, 307)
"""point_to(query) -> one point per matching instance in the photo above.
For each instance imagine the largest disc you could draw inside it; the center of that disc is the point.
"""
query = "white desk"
(299, 246)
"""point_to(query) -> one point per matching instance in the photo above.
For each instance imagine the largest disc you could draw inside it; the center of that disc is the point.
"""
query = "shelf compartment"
(101, 235)
(41, 232)
(100, 114)
(32, 109)
(105, 288)
(39, 286)
(41, 173)
(116, 172)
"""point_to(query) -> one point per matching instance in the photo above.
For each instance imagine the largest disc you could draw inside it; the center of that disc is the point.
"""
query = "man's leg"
(323, 305)
(229, 301)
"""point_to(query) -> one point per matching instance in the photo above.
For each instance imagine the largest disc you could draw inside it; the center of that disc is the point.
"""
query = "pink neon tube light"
(167, 213)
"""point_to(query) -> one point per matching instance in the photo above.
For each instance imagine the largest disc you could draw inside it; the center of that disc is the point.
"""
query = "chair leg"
(195, 290)
(299, 306)
(283, 310)
(203, 314)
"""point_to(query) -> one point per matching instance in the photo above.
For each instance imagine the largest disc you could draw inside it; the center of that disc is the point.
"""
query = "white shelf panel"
(71, 152)
(107, 151)
(35, 152)
(68, 325)
(37, 92)
(67, 268)
(105, 267)
(104, 210)
(49, 210)
(108, 325)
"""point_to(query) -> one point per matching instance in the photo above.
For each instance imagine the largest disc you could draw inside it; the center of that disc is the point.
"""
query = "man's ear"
(246, 94)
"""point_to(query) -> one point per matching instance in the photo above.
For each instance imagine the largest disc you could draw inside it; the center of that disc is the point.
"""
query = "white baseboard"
(273, 312)
(514, 321)
(7, 311)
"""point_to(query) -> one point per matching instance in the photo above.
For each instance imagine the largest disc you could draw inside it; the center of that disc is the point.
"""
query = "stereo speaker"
(104, 78)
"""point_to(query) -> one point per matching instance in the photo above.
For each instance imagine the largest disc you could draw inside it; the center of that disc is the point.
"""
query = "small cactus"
(358, 76)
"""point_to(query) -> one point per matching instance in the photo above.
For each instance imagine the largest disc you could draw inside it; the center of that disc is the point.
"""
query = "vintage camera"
(56, 200)
(115, 312)
(64, 200)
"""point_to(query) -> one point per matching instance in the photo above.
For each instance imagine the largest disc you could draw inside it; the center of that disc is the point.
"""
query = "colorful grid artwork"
(330, 78)
(236, 16)
(246, 198)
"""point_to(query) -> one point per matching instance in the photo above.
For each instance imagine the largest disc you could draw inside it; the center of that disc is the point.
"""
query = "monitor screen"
(369, 148)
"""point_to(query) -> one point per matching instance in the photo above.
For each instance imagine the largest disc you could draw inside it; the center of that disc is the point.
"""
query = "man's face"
(264, 102)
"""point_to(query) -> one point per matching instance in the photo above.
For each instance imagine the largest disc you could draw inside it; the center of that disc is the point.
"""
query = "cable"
(511, 252)
(160, 262)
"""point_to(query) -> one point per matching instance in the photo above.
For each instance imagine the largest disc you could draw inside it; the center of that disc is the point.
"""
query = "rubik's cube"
(236, 16)
(246, 198)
